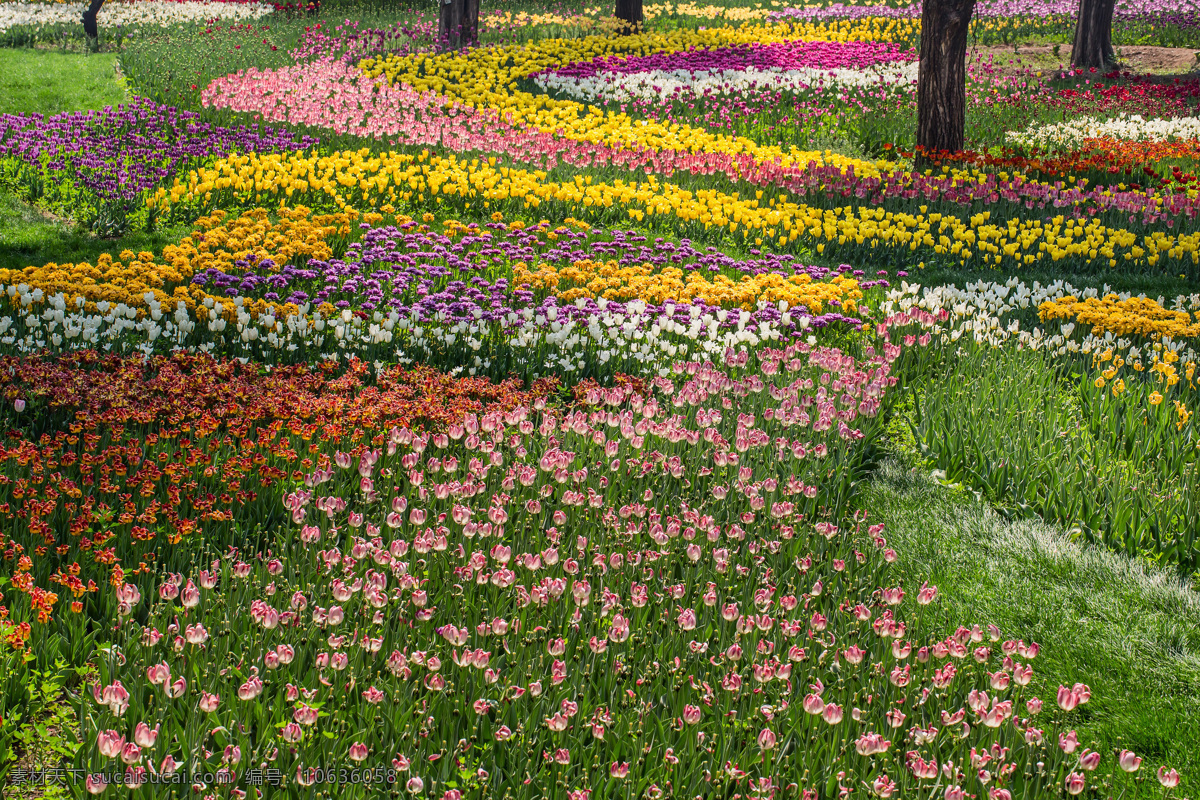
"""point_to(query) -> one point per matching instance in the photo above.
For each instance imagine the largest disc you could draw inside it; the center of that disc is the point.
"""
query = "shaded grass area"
(51, 82)
(30, 238)
(1118, 280)
(1129, 631)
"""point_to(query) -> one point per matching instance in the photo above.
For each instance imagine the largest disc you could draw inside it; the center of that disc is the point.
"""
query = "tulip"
(1128, 761)
(1075, 783)
(110, 743)
(1169, 778)
(144, 735)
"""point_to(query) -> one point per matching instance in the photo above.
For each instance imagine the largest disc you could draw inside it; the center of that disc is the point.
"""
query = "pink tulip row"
(609, 585)
(330, 94)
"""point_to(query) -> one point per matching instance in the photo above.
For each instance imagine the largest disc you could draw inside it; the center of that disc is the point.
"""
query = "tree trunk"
(941, 76)
(630, 12)
(471, 23)
(90, 27)
(1093, 35)
(458, 24)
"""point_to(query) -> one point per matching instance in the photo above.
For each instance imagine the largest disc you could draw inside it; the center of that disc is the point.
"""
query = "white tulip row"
(1072, 133)
(153, 13)
(987, 311)
(636, 340)
(659, 85)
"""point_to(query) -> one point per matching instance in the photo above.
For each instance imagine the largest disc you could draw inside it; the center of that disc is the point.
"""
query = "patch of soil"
(1011, 59)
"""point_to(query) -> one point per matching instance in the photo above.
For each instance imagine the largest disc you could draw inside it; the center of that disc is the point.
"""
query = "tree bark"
(630, 12)
(90, 27)
(1093, 35)
(458, 24)
(942, 77)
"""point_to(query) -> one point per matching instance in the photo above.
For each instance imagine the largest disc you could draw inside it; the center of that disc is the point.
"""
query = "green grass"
(51, 82)
(1130, 632)
(29, 238)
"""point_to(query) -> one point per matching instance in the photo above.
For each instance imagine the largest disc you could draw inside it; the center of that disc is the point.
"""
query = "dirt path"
(1144, 59)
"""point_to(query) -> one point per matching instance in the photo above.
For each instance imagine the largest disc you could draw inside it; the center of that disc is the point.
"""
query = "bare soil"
(1137, 59)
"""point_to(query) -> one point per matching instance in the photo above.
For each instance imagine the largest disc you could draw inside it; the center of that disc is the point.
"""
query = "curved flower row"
(785, 55)
(1072, 133)
(1138, 329)
(669, 85)
(488, 80)
(986, 8)
(363, 179)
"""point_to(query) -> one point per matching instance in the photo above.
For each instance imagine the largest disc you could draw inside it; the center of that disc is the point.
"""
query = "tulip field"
(587, 414)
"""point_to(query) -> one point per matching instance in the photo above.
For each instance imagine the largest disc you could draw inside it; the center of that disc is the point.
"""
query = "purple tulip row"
(120, 152)
(430, 276)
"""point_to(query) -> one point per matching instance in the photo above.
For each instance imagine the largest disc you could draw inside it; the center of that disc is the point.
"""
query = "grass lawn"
(28, 238)
(1131, 632)
(50, 82)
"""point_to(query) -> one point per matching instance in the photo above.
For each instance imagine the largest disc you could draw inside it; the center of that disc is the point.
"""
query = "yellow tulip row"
(1139, 316)
(597, 16)
(486, 78)
(215, 244)
(363, 179)
(611, 281)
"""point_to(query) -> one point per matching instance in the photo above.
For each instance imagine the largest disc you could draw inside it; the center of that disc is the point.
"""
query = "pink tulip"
(1067, 699)
(144, 735)
(1169, 778)
(1128, 761)
(883, 786)
(1089, 760)
(96, 784)
(691, 715)
(131, 753)
(358, 752)
(766, 739)
(110, 743)
(1075, 783)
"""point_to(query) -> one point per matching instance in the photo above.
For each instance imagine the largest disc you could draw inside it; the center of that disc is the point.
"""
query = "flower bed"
(137, 14)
